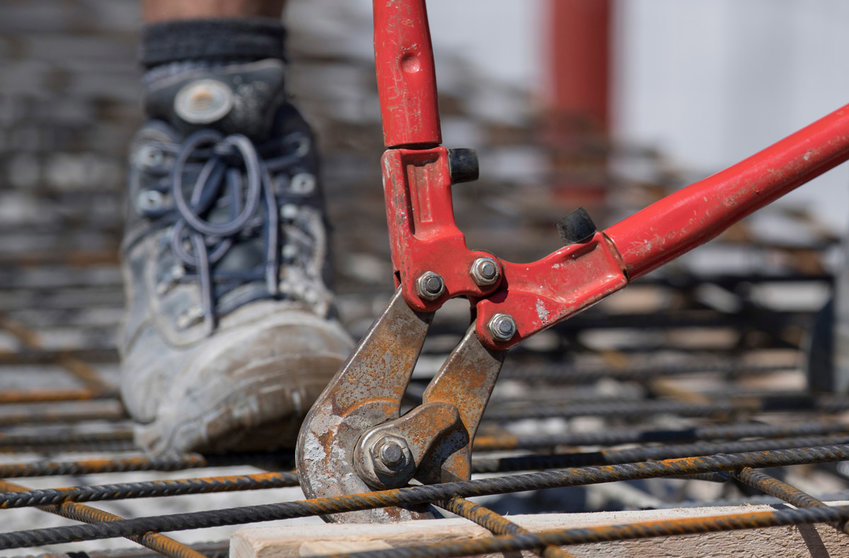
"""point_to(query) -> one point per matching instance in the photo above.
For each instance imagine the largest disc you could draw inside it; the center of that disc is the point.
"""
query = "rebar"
(81, 512)
(11, 396)
(117, 439)
(91, 466)
(496, 523)
(551, 373)
(440, 492)
(779, 489)
(610, 457)
(630, 409)
(108, 409)
(147, 489)
(32, 340)
(613, 436)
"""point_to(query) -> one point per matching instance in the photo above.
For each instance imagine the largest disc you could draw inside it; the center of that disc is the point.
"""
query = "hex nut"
(430, 285)
(502, 327)
(485, 272)
(390, 455)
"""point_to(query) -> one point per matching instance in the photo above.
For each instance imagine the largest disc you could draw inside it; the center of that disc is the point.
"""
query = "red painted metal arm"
(542, 293)
(692, 216)
(406, 80)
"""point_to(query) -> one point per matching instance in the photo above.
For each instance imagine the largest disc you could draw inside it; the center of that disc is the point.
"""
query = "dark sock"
(212, 40)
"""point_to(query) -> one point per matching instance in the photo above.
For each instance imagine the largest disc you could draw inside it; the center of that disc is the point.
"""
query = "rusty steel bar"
(147, 489)
(13, 396)
(64, 258)
(64, 439)
(30, 339)
(613, 436)
(495, 523)
(630, 408)
(630, 455)
(774, 487)
(563, 373)
(687, 318)
(50, 413)
(88, 514)
(45, 356)
(214, 549)
(102, 465)
(781, 490)
(80, 447)
(440, 492)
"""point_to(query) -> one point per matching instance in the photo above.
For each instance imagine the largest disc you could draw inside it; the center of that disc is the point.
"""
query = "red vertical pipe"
(406, 81)
(579, 60)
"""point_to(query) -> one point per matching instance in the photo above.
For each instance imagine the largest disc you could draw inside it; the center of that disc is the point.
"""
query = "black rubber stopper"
(463, 164)
(576, 227)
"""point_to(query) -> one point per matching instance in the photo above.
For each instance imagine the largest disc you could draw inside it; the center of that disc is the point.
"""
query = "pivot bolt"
(485, 272)
(391, 456)
(502, 327)
(430, 285)
(390, 453)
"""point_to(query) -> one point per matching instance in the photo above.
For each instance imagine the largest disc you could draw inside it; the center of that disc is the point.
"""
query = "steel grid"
(727, 434)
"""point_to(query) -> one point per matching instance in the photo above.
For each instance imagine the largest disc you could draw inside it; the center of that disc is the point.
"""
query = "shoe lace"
(230, 166)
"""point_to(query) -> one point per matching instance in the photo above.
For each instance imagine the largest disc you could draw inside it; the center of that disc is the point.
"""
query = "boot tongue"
(234, 99)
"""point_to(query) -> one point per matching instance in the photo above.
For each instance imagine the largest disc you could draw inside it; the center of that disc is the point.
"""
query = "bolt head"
(391, 456)
(485, 272)
(502, 327)
(390, 453)
(430, 285)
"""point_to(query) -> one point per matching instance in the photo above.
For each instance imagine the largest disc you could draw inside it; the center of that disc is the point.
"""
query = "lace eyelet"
(302, 184)
(289, 211)
(150, 156)
(149, 201)
(289, 252)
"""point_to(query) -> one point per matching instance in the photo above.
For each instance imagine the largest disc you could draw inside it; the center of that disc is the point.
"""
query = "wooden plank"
(805, 541)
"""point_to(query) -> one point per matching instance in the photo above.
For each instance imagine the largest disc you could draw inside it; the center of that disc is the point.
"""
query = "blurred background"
(701, 84)
(609, 104)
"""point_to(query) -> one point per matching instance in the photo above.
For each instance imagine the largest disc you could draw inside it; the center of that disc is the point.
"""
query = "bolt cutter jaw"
(354, 440)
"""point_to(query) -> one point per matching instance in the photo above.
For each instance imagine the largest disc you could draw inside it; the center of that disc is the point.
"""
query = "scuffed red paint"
(407, 90)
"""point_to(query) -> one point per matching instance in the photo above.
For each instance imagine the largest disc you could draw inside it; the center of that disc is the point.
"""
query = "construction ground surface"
(685, 390)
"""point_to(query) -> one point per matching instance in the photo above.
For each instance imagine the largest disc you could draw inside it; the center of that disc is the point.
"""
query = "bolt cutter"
(355, 439)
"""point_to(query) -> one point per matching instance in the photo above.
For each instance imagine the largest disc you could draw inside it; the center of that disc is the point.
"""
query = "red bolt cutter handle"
(406, 80)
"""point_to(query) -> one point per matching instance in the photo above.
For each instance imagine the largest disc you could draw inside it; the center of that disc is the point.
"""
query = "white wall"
(501, 37)
(712, 81)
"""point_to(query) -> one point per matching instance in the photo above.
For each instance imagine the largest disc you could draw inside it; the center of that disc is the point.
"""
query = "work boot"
(229, 332)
